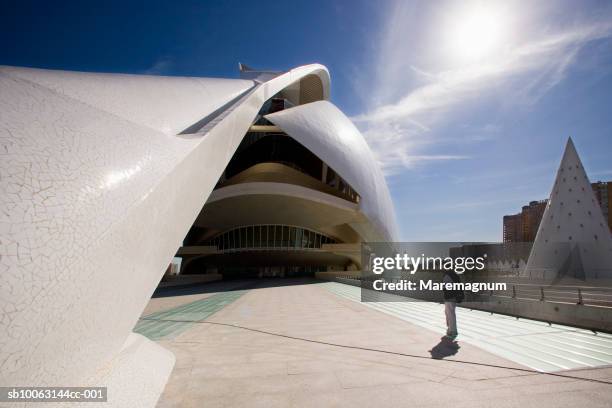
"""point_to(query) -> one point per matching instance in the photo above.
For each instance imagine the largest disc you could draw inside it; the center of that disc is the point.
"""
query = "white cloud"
(394, 151)
(399, 125)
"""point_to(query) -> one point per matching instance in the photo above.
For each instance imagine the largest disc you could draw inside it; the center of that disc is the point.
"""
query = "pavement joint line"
(559, 352)
(524, 370)
(527, 358)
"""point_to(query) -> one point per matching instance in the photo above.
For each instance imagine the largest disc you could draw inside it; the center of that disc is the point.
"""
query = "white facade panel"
(324, 130)
(166, 104)
(97, 193)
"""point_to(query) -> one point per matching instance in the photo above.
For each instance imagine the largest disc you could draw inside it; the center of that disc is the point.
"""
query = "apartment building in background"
(523, 226)
(603, 193)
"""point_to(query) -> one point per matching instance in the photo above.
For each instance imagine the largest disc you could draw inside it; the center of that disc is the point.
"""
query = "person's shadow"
(445, 348)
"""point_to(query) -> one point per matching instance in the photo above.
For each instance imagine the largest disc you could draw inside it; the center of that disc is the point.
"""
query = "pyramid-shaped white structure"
(573, 240)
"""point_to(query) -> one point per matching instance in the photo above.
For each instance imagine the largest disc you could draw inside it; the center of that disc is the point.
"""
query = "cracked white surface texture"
(166, 104)
(97, 192)
(71, 173)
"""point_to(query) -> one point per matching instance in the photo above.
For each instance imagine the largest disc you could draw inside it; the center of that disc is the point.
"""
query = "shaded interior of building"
(277, 210)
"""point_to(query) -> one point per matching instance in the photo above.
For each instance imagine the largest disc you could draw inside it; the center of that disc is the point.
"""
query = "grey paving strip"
(168, 324)
(537, 345)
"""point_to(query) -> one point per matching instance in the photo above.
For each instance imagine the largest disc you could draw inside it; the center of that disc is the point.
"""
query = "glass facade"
(254, 237)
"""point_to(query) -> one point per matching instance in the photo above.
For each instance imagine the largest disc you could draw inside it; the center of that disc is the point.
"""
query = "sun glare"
(476, 32)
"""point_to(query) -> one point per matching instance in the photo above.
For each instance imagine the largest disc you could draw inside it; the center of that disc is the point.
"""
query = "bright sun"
(475, 33)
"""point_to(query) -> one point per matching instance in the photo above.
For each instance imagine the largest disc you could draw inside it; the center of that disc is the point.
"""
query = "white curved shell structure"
(102, 176)
(328, 133)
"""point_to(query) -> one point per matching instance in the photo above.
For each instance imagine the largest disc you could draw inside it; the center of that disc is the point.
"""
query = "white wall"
(97, 193)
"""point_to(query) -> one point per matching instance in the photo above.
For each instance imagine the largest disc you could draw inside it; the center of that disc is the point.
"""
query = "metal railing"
(580, 295)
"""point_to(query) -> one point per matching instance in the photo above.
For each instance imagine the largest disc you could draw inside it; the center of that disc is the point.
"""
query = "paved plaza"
(284, 342)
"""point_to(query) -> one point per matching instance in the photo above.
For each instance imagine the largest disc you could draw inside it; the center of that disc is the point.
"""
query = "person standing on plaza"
(451, 298)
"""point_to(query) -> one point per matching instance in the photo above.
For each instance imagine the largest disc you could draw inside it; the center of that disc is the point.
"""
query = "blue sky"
(467, 105)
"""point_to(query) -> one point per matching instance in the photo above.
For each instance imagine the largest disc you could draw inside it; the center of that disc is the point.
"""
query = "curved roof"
(98, 191)
(323, 129)
(166, 104)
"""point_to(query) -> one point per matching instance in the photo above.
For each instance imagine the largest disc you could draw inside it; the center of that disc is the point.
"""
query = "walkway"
(168, 324)
(531, 343)
(248, 353)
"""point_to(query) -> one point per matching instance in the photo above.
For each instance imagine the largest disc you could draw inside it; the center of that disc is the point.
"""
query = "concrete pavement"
(225, 366)
(535, 344)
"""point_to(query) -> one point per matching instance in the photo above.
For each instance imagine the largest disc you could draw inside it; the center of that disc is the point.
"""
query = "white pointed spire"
(573, 240)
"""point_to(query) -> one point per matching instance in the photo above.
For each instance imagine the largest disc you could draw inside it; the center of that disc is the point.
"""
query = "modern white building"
(573, 239)
(106, 177)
